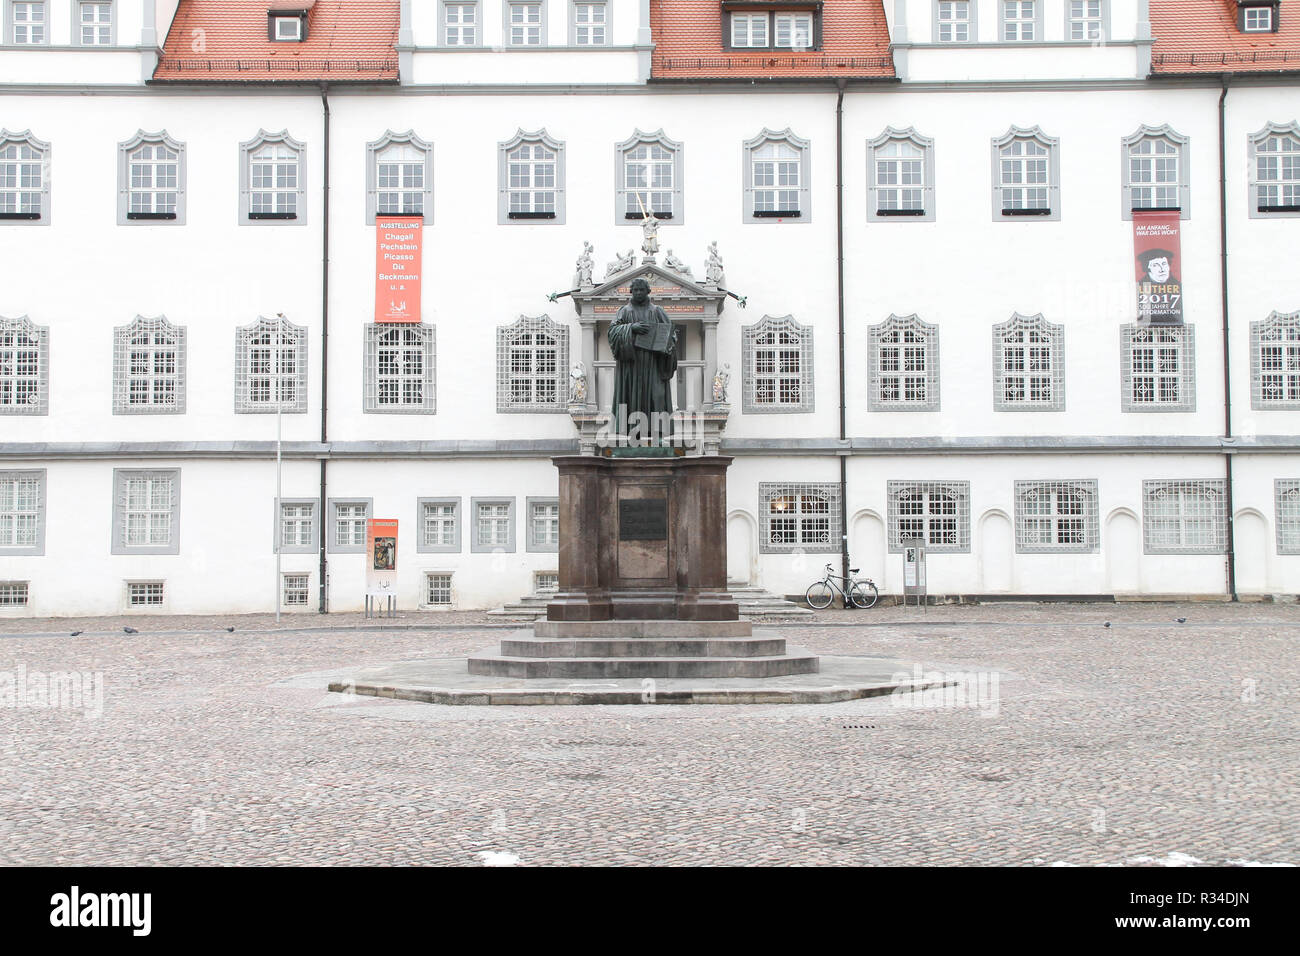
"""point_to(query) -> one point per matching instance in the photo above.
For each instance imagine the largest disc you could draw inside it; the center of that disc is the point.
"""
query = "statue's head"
(640, 291)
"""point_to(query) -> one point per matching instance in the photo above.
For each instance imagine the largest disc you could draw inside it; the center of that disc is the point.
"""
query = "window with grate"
(531, 179)
(532, 365)
(525, 24)
(144, 593)
(1086, 20)
(296, 589)
(273, 175)
(297, 532)
(28, 23)
(14, 593)
(1275, 362)
(437, 589)
(148, 368)
(494, 524)
(1026, 175)
(24, 367)
(438, 520)
(399, 369)
(1184, 517)
(543, 524)
(800, 516)
(1158, 368)
(1056, 516)
(1275, 172)
(146, 512)
(1021, 21)
(460, 25)
(1028, 365)
(24, 179)
(954, 21)
(347, 530)
(1287, 493)
(151, 180)
(649, 178)
(900, 176)
(937, 511)
(22, 512)
(903, 365)
(271, 367)
(778, 362)
(1154, 169)
(546, 582)
(777, 174)
(399, 173)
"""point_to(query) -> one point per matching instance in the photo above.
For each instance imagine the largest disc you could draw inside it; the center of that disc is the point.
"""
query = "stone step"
(753, 601)
(642, 647)
(796, 661)
(669, 630)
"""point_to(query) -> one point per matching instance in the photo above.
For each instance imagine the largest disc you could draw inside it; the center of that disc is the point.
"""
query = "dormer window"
(287, 26)
(1257, 17)
(750, 26)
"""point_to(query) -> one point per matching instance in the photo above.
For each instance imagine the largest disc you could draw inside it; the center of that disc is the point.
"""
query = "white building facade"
(180, 256)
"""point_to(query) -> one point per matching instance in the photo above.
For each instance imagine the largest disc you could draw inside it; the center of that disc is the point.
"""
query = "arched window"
(531, 179)
(271, 367)
(24, 179)
(1026, 175)
(649, 178)
(399, 174)
(776, 178)
(1028, 365)
(532, 365)
(904, 365)
(24, 367)
(778, 356)
(399, 368)
(1275, 362)
(272, 179)
(1154, 170)
(148, 368)
(1275, 172)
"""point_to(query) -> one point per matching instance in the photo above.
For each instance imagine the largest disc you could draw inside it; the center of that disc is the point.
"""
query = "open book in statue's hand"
(657, 338)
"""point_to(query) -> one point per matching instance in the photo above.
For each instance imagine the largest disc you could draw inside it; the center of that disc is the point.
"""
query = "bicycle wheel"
(820, 595)
(864, 594)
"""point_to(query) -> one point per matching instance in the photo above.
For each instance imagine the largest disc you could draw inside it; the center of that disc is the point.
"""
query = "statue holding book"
(644, 343)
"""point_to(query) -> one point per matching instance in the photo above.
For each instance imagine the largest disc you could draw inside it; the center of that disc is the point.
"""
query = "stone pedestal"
(643, 539)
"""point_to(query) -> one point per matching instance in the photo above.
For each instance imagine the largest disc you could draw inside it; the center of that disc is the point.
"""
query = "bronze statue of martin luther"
(644, 343)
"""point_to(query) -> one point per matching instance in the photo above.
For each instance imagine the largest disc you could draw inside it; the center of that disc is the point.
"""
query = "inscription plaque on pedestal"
(643, 519)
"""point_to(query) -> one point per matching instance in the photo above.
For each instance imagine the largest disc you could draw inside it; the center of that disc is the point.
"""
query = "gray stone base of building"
(446, 681)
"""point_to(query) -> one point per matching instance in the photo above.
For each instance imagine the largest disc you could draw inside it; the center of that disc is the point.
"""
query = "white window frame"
(122, 482)
(15, 594)
(536, 542)
(525, 26)
(284, 339)
(1260, 25)
(1129, 154)
(532, 212)
(1286, 500)
(1016, 22)
(1071, 509)
(428, 589)
(556, 381)
(749, 19)
(752, 188)
(946, 531)
(294, 36)
(879, 209)
(148, 589)
(476, 543)
(446, 25)
(423, 544)
(160, 338)
(97, 26)
(277, 216)
(11, 24)
(1166, 343)
(377, 341)
(1257, 152)
(576, 27)
(311, 521)
(924, 340)
(950, 7)
(625, 194)
(1045, 335)
(771, 335)
(19, 338)
(304, 589)
(1078, 14)
(128, 190)
(375, 154)
(788, 501)
(1281, 332)
(1176, 497)
(351, 546)
(15, 512)
(1052, 187)
(19, 216)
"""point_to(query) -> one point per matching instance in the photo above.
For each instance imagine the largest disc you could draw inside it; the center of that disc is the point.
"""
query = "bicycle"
(861, 594)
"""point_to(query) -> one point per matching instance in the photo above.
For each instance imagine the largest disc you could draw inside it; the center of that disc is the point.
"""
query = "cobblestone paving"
(1148, 742)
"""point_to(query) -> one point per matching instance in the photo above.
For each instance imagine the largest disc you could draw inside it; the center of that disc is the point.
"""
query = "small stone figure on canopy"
(650, 234)
(644, 343)
(676, 265)
(624, 261)
(578, 384)
(720, 382)
(584, 265)
(713, 269)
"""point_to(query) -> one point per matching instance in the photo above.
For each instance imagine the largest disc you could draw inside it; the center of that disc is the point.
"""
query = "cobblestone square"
(1152, 741)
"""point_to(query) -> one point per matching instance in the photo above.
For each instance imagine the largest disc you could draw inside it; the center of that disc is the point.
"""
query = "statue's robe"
(642, 379)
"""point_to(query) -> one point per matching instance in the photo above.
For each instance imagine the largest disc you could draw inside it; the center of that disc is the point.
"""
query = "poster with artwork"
(1157, 253)
(381, 555)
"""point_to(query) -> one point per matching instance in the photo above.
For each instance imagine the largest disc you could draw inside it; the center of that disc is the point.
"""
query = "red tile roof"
(1201, 36)
(223, 41)
(688, 43)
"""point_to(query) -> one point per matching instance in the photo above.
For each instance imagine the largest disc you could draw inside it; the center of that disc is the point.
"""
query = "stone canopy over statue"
(644, 344)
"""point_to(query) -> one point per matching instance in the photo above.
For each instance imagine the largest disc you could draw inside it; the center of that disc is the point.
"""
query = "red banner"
(398, 246)
(1158, 258)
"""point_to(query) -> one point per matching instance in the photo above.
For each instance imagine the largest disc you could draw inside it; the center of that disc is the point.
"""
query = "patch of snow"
(498, 858)
(1253, 863)
(1173, 859)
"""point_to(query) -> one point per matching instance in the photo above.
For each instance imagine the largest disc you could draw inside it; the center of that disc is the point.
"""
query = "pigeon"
(230, 630)
(1107, 624)
(1181, 620)
(130, 630)
(75, 633)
